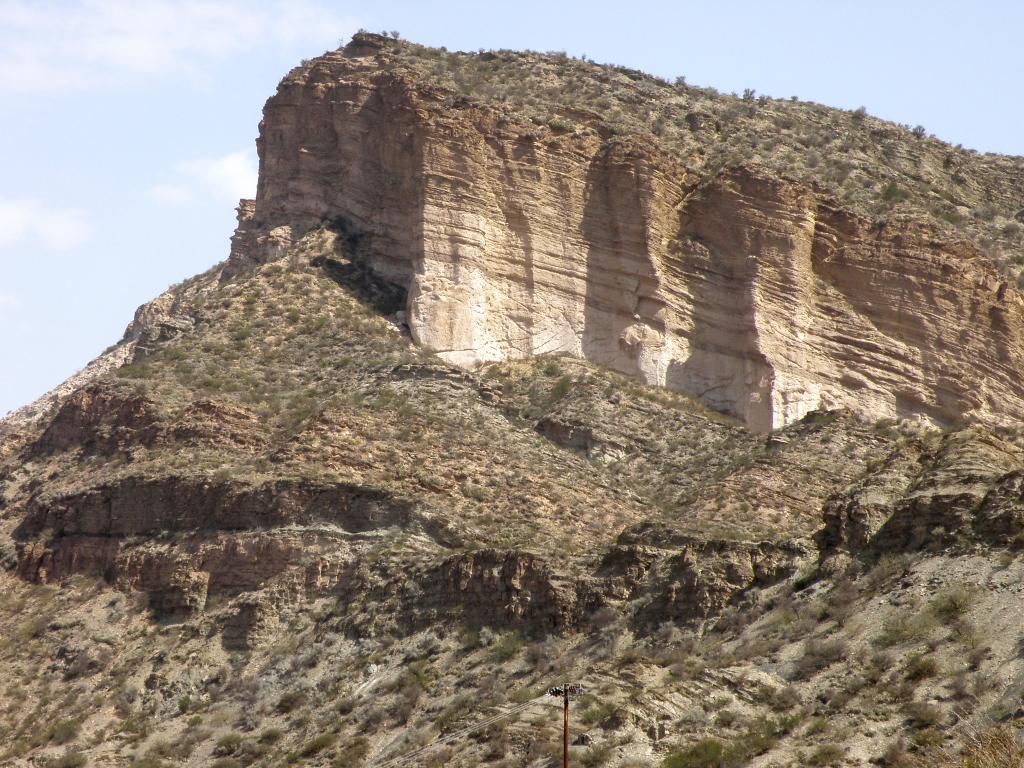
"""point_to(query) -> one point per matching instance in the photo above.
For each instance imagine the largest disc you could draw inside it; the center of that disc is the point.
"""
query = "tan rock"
(755, 293)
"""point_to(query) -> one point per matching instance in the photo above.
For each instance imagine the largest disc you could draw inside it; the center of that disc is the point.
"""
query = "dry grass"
(991, 748)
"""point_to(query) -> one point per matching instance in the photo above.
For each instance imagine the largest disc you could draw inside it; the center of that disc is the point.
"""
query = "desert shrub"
(826, 754)
(506, 647)
(604, 617)
(924, 738)
(459, 707)
(904, 628)
(893, 193)
(922, 715)
(706, 753)
(760, 736)
(596, 756)
(896, 755)
(965, 632)
(841, 602)
(271, 736)
(68, 760)
(921, 667)
(726, 718)
(228, 745)
(65, 731)
(819, 654)
(977, 656)
(951, 603)
(317, 745)
(599, 713)
(148, 761)
(991, 748)
(889, 567)
(780, 699)
(561, 388)
(345, 705)
(290, 701)
(352, 752)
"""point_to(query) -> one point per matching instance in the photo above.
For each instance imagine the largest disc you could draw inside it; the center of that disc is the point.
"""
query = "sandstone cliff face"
(755, 293)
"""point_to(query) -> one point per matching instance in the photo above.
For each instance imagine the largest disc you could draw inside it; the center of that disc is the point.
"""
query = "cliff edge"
(762, 294)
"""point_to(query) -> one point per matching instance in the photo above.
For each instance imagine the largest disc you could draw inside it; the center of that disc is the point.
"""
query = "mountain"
(524, 370)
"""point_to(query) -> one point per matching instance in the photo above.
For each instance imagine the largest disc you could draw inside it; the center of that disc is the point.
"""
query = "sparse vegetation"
(349, 543)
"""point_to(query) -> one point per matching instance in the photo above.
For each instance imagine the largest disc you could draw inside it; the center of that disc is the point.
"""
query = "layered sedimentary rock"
(755, 293)
(965, 490)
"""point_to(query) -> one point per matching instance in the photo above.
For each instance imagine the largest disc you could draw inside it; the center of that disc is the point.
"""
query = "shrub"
(992, 748)
(271, 736)
(561, 388)
(68, 760)
(65, 731)
(826, 754)
(951, 603)
(596, 756)
(507, 647)
(896, 755)
(922, 715)
(782, 699)
(903, 628)
(317, 745)
(599, 714)
(819, 654)
(921, 667)
(290, 701)
(706, 753)
(353, 753)
(760, 736)
(893, 193)
(228, 745)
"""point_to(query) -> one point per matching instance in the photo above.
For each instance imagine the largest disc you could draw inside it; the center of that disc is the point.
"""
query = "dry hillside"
(275, 525)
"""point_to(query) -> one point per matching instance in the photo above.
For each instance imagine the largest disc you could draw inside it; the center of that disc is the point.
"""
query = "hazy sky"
(127, 125)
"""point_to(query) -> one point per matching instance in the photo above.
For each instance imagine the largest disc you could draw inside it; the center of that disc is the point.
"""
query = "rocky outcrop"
(753, 292)
(100, 419)
(966, 490)
(183, 539)
(689, 578)
(143, 506)
(217, 423)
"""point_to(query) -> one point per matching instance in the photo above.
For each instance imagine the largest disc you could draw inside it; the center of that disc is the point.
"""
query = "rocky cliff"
(437, 435)
(762, 295)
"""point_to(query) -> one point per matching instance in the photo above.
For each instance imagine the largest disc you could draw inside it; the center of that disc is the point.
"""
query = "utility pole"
(565, 691)
(565, 726)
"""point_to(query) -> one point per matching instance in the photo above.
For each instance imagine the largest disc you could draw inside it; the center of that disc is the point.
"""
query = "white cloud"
(171, 194)
(231, 176)
(8, 301)
(228, 177)
(82, 44)
(28, 221)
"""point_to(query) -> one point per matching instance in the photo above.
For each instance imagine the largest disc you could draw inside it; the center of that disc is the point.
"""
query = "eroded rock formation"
(756, 293)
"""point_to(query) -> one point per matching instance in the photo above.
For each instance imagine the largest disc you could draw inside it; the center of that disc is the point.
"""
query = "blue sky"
(128, 125)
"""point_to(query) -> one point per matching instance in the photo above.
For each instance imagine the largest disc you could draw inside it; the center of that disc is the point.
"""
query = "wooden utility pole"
(565, 691)
(565, 726)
